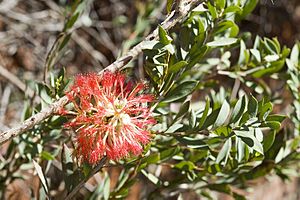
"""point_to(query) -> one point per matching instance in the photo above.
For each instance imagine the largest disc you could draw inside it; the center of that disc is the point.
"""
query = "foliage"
(221, 119)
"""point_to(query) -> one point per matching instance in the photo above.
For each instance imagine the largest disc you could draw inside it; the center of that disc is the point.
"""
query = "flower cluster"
(111, 116)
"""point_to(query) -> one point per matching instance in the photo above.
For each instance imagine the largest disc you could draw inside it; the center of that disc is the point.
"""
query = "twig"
(33, 120)
(172, 19)
(167, 24)
(235, 89)
(102, 37)
(97, 55)
(4, 102)
(7, 5)
(79, 186)
(16, 81)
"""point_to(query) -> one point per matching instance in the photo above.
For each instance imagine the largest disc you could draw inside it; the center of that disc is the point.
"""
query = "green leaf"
(151, 177)
(273, 125)
(71, 177)
(44, 92)
(256, 54)
(224, 152)
(276, 117)
(259, 134)
(193, 119)
(152, 158)
(66, 155)
(193, 143)
(180, 91)
(248, 137)
(185, 165)
(77, 9)
(269, 139)
(99, 191)
(244, 54)
(248, 8)
(238, 110)
(174, 128)
(232, 8)
(261, 170)
(273, 46)
(47, 156)
(222, 42)
(197, 56)
(40, 173)
(212, 10)
(151, 44)
(169, 153)
(204, 114)
(106, 187)
(122, 179)
(170, 48)
(211, 118)
(240, 149)
(220, 4)
(223, 131)
(265, 110)
(169, 5)
(275, 66)
(225, 26)
(271, 58)
(225, 188)
(223, 114)
(252, 106)
(27, 111)
(163, 36)
(177, 66)
(72, 21)
(295, 54)
(64, 41)
(184, 108)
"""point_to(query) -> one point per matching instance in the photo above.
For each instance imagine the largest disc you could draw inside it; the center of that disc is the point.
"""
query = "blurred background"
(108, 28)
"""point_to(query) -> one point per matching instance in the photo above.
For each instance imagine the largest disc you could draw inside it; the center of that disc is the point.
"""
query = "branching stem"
(173, 18)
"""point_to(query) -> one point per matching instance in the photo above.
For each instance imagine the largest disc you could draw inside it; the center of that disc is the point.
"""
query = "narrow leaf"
(163, 36)
(269, 140)
(238, 110)
(222, 42)
(174, 128)
(224, 152)
(169, 5)
(252, 106)
(184, 108)
(180, 91)
(41, 175)
(204, 114)
(106, 187)
(249, 138)
(151, 177)
(223, 114)
(177, 66)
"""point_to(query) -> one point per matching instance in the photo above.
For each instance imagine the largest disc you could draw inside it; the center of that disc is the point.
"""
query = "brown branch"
(33, 120)
(172, 19)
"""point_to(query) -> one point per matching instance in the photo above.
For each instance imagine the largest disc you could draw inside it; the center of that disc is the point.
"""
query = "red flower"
(111, 116)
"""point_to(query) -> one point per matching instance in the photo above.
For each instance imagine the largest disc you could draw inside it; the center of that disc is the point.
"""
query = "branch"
(173, 18)
(16, 81)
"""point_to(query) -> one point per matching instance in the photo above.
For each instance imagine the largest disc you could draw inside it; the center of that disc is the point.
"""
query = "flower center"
(120, 104)
(124, 119)
(115, 115)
